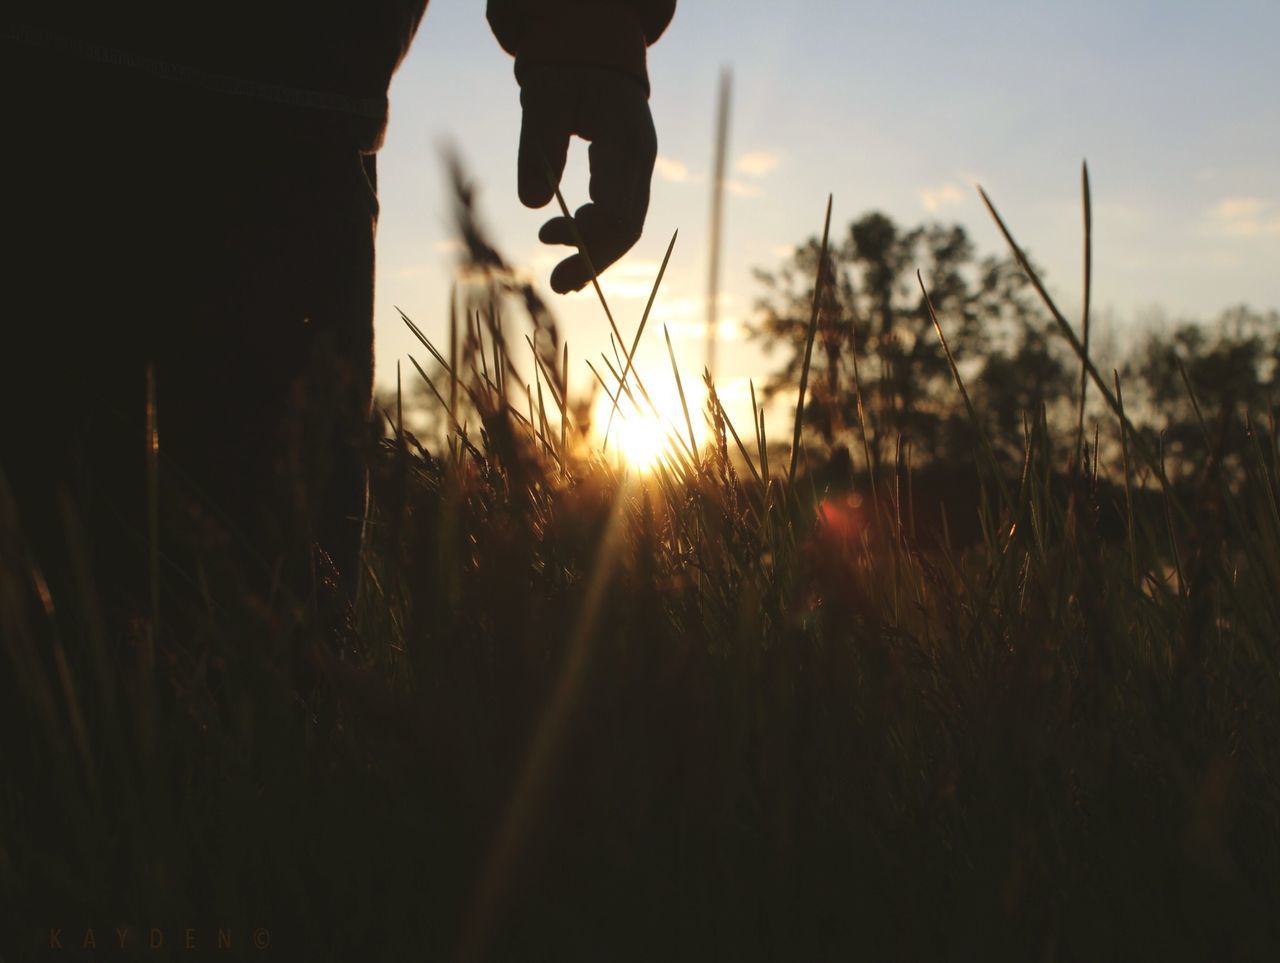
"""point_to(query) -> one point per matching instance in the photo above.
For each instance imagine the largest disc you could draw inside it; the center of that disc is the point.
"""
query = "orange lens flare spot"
(841, 516)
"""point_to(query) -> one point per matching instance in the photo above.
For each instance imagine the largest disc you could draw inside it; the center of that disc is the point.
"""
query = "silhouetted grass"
(704, 713)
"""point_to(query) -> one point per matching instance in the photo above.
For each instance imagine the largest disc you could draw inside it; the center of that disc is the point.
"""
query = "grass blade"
(808, 344)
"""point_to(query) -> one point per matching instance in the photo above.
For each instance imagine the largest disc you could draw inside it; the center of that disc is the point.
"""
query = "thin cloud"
(626, 281)
(1235, 208)
(671, 169)
(936, 198)
(727, 329)
(757, 163)
(689, 309)
(741, 188)
(1244, 217)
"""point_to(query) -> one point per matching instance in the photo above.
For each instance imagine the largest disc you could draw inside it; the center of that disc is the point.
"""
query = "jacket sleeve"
(614, 34)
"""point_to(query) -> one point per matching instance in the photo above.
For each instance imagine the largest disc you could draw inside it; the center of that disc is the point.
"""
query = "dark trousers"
(228, 251)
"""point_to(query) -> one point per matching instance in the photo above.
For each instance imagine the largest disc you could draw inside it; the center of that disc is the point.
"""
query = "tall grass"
(713, 711)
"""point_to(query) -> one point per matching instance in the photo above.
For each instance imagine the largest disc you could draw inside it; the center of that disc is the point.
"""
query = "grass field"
(725, 709)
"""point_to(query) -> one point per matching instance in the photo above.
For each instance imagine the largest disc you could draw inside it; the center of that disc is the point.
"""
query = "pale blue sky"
(897, 106)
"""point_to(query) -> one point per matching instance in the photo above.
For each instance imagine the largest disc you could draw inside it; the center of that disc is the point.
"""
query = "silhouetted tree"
(1233, 367)
(875, 339)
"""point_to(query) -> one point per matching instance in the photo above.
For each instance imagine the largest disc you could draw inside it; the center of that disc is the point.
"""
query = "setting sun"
(641, 440)
(643, 436)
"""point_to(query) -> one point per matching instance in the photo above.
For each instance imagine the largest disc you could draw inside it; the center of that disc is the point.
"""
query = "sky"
(901, 107)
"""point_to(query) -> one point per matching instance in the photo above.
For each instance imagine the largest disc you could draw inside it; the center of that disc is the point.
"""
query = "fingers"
(571, 274)
(544, 142)
(622, 154)
(558, 230)
(612, 112)
(604, 240)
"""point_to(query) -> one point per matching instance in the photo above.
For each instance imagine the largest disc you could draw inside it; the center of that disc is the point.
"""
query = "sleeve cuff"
(606, 35)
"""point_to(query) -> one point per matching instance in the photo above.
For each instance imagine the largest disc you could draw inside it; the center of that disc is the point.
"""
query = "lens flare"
(647, 430)
(641, 440)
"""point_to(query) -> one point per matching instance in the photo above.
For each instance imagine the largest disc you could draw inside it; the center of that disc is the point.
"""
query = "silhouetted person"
(190, 187)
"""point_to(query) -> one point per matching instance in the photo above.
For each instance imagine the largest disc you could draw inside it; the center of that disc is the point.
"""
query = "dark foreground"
(695, 717)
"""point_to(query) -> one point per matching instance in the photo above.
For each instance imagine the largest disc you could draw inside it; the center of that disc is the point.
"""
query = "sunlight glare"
(642, 440)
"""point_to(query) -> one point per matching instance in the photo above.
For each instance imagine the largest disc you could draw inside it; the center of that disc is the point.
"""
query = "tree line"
(880, 381)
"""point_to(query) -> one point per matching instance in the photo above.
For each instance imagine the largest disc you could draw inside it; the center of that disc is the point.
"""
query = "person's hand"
(611, 110)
